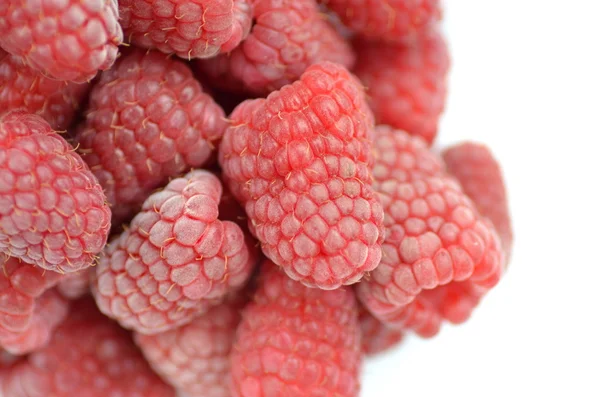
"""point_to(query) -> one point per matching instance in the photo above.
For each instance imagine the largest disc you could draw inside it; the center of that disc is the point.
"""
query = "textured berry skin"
(22, 87)
(376, 336)
(50, 310)
(406, 83)
(188, 28)
(89, 356)
(299, 161)
(148, 120)
(439, 257)
(175, 261)
(288, 36)
(480, 176)
(296, 341)
(390, 20)
(195, 357)
(52, 210)
(69, 40)
(75, 285)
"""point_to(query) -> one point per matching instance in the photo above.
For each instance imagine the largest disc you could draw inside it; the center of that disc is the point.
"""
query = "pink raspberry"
(406, 84)
(299, 161)
(75, 285)
(68, 40)
(481, 178)
(52, 210)
(439, 257)
(148, 120)
(389, 20)
(175, 261)
(376, 337)
(88, 355)
(195, 357)
(22, 87)
(297, 341)
(288, 36)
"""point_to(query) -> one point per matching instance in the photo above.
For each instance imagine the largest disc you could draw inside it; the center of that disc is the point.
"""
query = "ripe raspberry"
(148, 120)
(390, 20)
(88, 355)
(299, 161)
(52, 209)
(75, 285)
(376, 336)
(50, 310)
(188, 28)
(439, 257)
(68, 40)
(176, 260)
(481, 178)
(22, 87)
(288, 36)
(406, 83)
(296, 341)
(195, 357)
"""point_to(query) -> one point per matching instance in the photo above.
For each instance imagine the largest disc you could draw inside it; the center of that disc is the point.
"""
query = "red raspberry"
(148, 120)
(67, 40)
(50, 310)
(376, 336)
(390, 20)
(176, 260)
(188, 28)
(88, 355)
(439, 257)
(297, 341)
(481, 178)
(288, 37)
(299, 161)
(75, 285)
(406, 83)
(195, 357)
(52, 210)
(22, 87)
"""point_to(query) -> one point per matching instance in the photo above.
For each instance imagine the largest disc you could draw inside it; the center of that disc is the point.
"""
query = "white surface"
(526, 81)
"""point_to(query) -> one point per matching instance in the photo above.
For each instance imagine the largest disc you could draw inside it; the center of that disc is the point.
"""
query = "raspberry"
(195, 357)
(288, 37)
(299, 161)
(439, 257)
(68, 40)
(296, 341)
(188, 28)
(22, 87)
(390, 20)
(50, 310)
(376, 337)
(481, 178)
(176, 260)
(75, 285)
(88, 355)
(148, 120)
(52, 209)
(406, 83)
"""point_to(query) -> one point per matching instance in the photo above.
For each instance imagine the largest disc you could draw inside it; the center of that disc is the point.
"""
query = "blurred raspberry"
(52, 210)
(68, 40)
(75, 285)
(376, 336)
(175, 261)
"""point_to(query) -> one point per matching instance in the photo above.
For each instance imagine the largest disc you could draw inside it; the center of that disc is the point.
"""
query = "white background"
(526, 81)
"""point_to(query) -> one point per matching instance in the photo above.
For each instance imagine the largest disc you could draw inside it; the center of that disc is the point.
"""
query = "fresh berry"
(75, 285)
(480, 176)
(22, 87)
(195, 357)
(188, 28)
(297, 341)
(390, 20)
(148, 120)
(299, 161)
(288, 36)
(175, 261)
(439, 257)
(50, 310)
(88, 355)
(69, 40)
(52, 210)
(406, 83)
(376, 336)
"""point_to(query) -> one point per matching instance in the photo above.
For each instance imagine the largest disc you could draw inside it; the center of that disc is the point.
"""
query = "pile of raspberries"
(215, 198)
